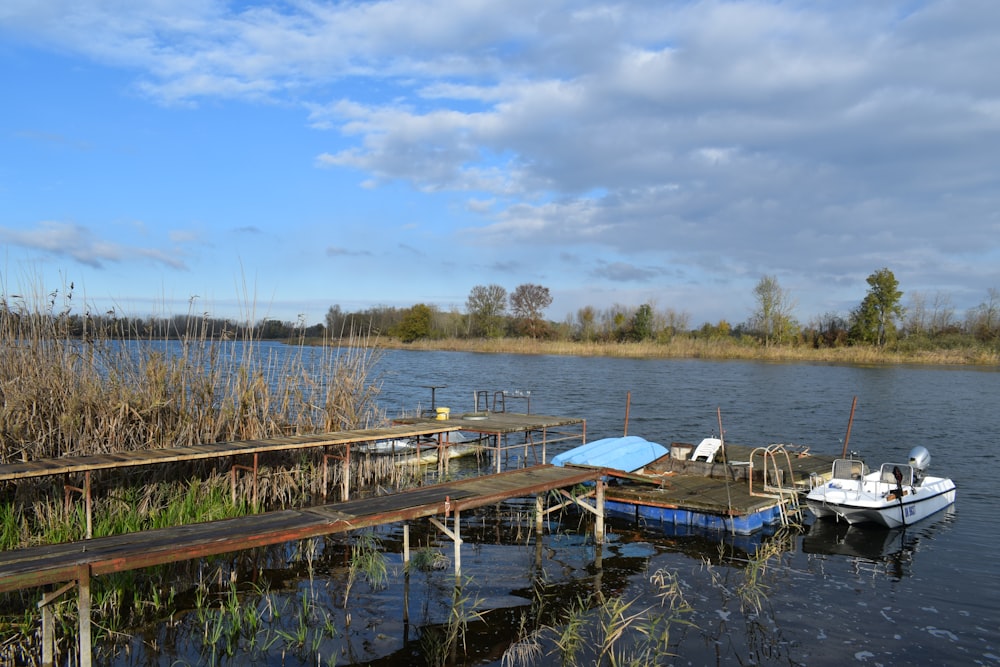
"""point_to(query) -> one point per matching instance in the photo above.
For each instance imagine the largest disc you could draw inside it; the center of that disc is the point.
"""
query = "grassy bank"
(713, 348)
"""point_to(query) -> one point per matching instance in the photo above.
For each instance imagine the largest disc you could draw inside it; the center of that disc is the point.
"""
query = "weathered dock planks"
(37, 566)
(20, 470)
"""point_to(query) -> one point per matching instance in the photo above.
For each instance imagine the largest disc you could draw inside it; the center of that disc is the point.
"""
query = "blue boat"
(628, 453)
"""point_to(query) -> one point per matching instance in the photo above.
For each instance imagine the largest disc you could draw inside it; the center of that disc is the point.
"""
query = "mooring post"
(83, 610)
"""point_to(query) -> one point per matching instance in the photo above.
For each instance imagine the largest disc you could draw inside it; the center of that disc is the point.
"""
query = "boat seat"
(706, 450)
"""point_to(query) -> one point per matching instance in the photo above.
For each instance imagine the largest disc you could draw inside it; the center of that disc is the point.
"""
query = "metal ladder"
(773, 485)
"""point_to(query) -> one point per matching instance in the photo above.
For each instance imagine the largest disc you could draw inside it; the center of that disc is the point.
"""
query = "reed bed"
(108, 391)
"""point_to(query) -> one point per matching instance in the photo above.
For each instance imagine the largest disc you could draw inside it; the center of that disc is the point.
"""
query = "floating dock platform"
(752, 489)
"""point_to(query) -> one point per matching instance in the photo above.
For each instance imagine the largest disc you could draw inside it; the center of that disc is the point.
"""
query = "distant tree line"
(880, 320)
(111, 325)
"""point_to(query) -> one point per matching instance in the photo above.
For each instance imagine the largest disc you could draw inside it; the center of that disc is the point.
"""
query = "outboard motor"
(920, 459)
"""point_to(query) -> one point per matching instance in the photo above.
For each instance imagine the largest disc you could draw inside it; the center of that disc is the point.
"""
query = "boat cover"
(628, 453)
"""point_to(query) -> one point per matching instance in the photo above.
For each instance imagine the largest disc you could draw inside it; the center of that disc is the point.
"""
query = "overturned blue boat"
(628, 453)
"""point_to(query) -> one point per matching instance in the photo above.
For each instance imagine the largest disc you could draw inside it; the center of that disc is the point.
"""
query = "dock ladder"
(773, 481)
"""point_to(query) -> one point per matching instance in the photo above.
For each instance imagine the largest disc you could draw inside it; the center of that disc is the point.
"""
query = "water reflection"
(893, 548)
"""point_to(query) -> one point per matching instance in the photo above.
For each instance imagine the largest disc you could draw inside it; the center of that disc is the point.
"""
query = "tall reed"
(107, 390)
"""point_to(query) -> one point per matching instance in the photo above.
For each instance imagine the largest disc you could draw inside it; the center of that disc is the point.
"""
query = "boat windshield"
(849, 469)
(888, 474)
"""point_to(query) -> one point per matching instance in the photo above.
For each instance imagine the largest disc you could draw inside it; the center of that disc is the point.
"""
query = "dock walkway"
(38, 566)
(73, 564)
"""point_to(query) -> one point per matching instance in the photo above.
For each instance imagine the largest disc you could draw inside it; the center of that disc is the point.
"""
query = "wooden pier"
(539, 432)
(74, 564)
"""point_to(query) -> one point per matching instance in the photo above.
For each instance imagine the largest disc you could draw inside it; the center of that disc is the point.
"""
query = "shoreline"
(716, 350)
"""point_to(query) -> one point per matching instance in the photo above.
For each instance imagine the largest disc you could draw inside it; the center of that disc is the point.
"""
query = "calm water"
(929, 596)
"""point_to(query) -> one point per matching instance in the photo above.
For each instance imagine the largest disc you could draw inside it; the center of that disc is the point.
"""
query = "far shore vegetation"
(884, 328)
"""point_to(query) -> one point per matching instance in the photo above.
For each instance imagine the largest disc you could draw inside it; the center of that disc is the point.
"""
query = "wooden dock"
(38, 566)
(336, 446)
(717, 495)
(539, 431)
(73, 564)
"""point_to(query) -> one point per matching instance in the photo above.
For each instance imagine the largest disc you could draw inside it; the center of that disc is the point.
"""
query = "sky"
(271, 159)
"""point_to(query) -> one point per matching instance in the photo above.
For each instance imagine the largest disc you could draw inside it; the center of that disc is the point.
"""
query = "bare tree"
(528, 302)
(984, 320)
(586, 317)
(773, 318)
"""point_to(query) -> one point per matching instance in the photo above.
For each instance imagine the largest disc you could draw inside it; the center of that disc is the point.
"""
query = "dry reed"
(690, 347)
(109, 391)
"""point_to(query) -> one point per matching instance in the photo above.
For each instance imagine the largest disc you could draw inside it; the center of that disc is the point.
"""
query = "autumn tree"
(772, 320)
(487, 307)
(527, 303)
(874, 321)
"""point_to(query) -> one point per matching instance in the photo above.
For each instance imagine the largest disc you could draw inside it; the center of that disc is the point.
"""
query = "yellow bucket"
(442, 413)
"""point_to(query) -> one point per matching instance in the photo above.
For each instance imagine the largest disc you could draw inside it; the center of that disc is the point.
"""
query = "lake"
(928, 596)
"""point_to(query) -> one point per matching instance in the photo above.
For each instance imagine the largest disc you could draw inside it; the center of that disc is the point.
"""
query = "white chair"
(706, 450)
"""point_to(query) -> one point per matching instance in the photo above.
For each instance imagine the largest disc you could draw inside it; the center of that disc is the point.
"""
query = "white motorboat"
(423, 450)
(897, 494)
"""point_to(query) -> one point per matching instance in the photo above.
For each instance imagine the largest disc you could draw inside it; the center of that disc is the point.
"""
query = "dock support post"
(406, 545)
(599, 522)
(454, 533)
(48, 635)
(457, 537)
(88, 503)
(48, 623)
(83, 610)
(326, 471)
(539, 513)
(406, 581)
(346, 483)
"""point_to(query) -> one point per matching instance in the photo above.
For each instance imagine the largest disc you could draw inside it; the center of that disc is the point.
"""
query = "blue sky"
(271, 159)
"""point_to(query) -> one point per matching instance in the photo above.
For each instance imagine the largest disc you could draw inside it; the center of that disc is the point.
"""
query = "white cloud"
(80, 244)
